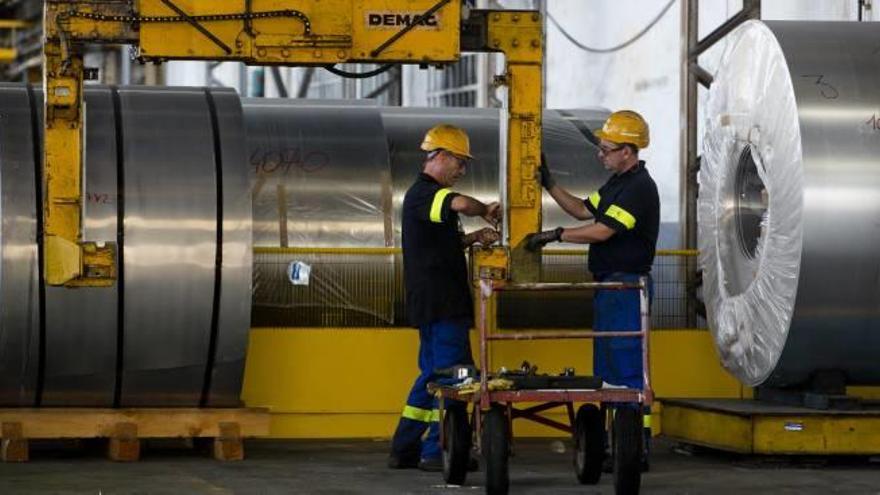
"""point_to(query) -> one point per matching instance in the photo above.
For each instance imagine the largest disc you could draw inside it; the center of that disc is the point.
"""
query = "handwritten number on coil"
(826, 90)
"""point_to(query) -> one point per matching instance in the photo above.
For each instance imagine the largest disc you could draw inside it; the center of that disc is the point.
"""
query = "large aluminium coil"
(789, 202)
(331, 174)
(164, 180)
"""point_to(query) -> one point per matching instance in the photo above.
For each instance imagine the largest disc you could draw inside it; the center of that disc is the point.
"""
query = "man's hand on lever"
(487, 236)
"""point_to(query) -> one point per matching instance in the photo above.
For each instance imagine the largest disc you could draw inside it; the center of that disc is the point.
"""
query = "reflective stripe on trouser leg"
(423, 415)
(407, 440)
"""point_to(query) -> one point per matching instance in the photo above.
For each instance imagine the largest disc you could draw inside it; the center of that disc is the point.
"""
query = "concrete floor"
(354, 467)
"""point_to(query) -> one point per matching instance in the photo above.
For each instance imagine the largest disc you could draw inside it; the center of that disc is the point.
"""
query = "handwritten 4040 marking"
(283, 160)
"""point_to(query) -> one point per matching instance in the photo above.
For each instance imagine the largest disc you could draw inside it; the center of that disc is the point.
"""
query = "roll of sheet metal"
(789, 200)
(165, 181)
(320, 179)
(20, 289)
(329, 174)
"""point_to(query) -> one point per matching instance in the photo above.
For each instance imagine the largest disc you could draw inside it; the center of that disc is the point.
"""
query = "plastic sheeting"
(789, 196)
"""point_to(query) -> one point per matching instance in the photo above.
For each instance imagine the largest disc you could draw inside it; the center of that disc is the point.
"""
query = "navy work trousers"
(442, 344)
(618, 360)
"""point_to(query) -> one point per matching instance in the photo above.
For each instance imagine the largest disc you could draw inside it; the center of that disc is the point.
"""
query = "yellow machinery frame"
(281, 32)
(8, 53)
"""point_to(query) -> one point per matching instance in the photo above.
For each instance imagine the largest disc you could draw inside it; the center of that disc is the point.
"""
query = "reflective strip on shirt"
(423, 415)
(437, 205)
(594, 199)
(621, 216)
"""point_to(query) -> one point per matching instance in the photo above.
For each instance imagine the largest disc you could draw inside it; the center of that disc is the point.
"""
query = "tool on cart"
(464, 379)
(458, 372)
(527, 378)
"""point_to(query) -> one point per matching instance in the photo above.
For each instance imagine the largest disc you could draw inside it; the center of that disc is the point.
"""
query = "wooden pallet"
(126, 427)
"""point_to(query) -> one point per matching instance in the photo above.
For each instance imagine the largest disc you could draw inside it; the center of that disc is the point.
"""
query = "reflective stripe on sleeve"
(621, 216)
(423, 415)
(437, 205)
(594, 199)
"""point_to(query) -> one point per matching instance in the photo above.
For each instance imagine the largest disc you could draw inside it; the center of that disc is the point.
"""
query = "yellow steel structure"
(753, 427)
(280, 32)
(8, 53)
(519, 35)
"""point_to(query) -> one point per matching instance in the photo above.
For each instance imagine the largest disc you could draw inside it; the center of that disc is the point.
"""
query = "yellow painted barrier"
(352, 382)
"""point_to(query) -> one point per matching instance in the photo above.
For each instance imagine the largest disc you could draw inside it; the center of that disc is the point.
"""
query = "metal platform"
(756, 427)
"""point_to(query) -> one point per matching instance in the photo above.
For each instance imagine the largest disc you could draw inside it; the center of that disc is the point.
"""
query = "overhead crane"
(287, 33)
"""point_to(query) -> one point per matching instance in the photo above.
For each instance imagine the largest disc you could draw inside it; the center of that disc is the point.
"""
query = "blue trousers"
(442, 344)
(618, 360)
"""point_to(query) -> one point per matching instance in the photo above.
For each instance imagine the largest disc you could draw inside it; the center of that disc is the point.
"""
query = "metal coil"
(789, 200)
(165, 181)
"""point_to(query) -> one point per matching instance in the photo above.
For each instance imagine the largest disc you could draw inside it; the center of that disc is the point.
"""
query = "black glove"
(538, 240)
(547, 181)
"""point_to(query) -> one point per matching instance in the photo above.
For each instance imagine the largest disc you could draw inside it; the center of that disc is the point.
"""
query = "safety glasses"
(607, 150)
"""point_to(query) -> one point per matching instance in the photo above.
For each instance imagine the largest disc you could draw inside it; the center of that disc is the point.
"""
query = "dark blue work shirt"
(629, 204)
(434, 265)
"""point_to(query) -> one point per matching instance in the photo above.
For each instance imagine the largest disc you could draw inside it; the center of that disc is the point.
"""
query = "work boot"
(431, 465)
(399, 462)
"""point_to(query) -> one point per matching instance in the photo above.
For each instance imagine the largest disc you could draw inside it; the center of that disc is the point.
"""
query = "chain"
(244, 16)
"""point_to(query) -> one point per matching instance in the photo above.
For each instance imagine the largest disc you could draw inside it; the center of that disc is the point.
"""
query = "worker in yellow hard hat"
(622, 237)
(438, 298)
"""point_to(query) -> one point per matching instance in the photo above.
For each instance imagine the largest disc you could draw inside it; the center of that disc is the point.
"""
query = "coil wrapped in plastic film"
(789, 197)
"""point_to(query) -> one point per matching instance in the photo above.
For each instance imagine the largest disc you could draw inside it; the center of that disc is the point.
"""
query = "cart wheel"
(496, 449)
(456, 444)
(627, 441)
(589, 444)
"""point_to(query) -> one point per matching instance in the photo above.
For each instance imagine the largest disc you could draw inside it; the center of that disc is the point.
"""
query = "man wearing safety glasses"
(622, 238)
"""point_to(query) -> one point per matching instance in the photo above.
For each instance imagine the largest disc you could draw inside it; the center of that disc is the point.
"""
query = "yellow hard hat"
(625, 127)
(447, 137)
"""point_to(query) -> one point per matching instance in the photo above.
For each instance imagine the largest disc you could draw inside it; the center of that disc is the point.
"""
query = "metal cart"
(490, 424)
